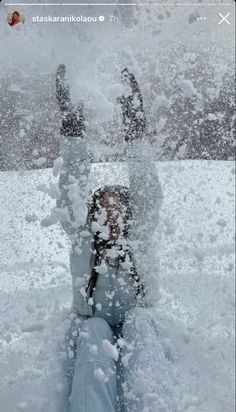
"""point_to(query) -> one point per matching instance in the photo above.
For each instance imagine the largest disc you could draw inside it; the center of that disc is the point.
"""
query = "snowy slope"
(196, 284)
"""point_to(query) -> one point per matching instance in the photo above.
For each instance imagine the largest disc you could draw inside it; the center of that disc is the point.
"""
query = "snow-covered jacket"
(115, 292)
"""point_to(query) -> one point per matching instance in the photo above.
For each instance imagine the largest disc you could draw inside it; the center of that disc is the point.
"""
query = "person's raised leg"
(94, 380)
(146, 379)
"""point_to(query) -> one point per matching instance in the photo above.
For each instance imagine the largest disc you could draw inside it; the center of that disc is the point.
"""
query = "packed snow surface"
(194, 305)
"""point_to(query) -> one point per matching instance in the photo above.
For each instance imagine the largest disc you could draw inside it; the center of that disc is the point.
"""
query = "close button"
(223, 18)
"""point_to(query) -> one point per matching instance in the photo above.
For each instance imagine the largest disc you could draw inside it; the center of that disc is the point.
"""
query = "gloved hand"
(73, 122)
(134, 119)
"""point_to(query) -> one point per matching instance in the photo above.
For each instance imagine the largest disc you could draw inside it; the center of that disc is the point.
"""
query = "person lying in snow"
(112, 340)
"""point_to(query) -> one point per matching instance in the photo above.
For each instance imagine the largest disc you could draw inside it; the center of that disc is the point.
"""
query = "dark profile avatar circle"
(15, 19)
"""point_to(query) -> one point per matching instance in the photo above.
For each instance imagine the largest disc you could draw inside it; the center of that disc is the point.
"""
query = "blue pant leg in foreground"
(146, 381)
(94, 380)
